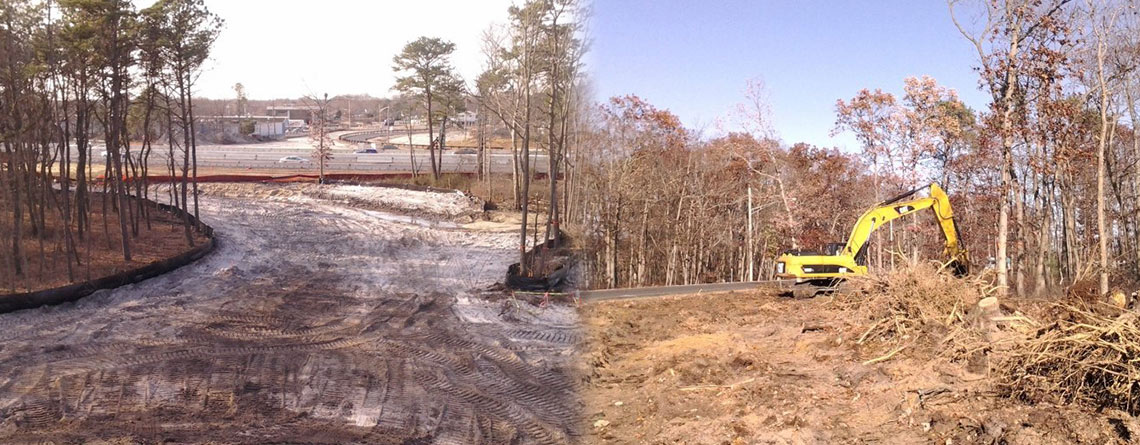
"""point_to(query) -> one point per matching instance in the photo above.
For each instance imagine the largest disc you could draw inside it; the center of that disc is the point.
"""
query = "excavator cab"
(811, 272)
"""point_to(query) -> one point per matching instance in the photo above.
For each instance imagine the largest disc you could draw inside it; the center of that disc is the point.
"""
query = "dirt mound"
(673, 370)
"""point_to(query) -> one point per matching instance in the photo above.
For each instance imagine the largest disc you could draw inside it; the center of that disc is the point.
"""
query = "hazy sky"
(289, 48)
(691, 57)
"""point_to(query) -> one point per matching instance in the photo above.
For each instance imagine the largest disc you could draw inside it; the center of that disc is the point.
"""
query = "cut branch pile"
(1087, 353)
(895, 310)
(1090, 355)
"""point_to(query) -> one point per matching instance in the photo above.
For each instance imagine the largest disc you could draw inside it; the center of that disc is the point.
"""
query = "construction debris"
(742, 367)
(1089, 355)
(1076, 351)
(914, 304)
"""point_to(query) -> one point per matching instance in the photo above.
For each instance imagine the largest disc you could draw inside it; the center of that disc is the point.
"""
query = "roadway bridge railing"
(363, 162)
(362, 136)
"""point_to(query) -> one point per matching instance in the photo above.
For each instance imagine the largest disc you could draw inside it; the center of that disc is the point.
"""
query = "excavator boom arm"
(896, 208)
(823, 270)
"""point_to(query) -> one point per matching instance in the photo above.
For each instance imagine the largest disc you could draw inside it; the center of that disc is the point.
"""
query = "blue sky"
(694, 58)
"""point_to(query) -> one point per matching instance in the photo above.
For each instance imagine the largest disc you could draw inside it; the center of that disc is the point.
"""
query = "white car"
(106, 154)
(289, 159)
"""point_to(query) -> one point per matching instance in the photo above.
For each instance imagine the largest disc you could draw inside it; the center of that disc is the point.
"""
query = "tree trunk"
(1019, 244)
(1042, 238)
(1101, 154)
(1135, 118)
(525, 170)
(748, 240)
(431, 134)
(193, 143)
(411, 148)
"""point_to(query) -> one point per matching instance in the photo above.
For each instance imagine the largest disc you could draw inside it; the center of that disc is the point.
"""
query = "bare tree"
(319, 134)
(1102, 20)
(73, 72)
(1008, 29)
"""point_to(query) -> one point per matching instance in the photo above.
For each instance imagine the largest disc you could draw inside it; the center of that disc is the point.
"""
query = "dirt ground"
(755, 367)
(165, 239)
(316, 320)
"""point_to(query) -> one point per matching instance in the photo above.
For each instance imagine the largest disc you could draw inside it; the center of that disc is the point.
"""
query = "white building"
(269, 129)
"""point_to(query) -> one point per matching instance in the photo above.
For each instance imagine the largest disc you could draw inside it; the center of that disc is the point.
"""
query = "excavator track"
(807, 290)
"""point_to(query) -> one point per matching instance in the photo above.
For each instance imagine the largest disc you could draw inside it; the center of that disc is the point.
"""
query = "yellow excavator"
(811, 272)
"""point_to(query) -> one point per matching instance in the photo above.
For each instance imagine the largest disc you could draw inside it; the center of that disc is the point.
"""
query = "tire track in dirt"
(556, 336)
(311, 320)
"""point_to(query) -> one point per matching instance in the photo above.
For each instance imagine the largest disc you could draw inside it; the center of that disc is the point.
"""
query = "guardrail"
(381, 162)
(456, 164)
(362, 136)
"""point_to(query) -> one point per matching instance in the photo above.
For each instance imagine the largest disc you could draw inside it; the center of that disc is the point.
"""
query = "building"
(293, 112)
(274, 129)
(295, 125)
(230, 129)
(467, 118)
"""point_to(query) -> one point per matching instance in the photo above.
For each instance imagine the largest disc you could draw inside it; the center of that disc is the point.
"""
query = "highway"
(268, 157)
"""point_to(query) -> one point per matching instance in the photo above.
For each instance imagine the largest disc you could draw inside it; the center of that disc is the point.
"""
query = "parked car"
(465, 151)
(389, 147)
(366, 150)
(291, 159)
(106, 154)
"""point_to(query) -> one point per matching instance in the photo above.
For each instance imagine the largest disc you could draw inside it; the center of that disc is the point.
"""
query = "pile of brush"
(1077, 351)
(911, 305)
(1089, 355)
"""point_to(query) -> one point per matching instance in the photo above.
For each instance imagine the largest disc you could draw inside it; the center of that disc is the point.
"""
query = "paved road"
(268, 157)
(688, 289)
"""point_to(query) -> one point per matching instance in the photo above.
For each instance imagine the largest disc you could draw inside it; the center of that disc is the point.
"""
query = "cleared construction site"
(363, 314)
(565, 221)
(314, 320)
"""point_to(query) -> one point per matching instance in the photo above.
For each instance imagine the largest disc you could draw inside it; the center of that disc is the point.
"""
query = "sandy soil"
(448, 206)
(314, 321)
(754, 367)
